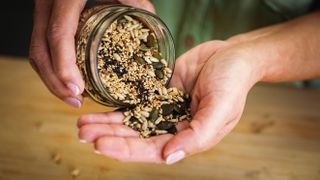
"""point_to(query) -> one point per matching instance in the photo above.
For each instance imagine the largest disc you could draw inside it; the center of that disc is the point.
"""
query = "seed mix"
(134, 72)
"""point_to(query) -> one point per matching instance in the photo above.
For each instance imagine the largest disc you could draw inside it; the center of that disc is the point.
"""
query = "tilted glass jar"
(93, 23)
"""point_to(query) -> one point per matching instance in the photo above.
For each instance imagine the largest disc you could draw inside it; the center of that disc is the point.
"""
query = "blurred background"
(15, 32)
(278, 136)
(191, 22)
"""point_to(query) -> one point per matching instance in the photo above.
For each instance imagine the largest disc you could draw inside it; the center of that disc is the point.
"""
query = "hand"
(52, 49)
(218, 77)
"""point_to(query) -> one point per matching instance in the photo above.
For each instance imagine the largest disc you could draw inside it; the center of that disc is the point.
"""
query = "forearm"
(286, 52)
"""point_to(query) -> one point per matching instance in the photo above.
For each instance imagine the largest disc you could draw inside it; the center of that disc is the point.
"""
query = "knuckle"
(63, 74)
(84, 132)
(202, 140)
(55, 32)
(99, 144)
(82, 120)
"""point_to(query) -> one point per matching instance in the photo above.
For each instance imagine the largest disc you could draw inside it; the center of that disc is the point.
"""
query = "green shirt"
(192, 22)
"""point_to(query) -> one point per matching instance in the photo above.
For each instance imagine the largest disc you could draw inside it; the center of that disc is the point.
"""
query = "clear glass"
(91, 28)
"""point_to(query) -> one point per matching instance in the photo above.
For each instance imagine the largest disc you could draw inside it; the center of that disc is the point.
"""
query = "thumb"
(208, 126)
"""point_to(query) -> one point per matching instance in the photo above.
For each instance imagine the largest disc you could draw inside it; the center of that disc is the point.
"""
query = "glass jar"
(93, 24)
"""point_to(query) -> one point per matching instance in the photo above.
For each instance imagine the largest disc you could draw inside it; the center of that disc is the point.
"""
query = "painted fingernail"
(97, 152)
(73, 102)
(74, 89)
(83, 141)
(175, 157)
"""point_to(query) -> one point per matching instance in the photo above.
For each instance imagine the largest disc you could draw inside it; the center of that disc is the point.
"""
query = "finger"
(115, 117)
(39, 54)
(133, 148)
(142, 4)
(61, 33)
(190, 64)
(201, 135)
(182, 125)
(90, 132)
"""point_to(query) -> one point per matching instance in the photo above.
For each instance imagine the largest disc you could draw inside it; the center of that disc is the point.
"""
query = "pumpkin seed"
(177, 108)
(122, 20)
(134, 119)
(159, 74)
(167, 109)
(143, 47)
(151, 41)
(140, 60)
(154, 114)
(157, 55)
(165, 125)
(172, 130)
(158, 65)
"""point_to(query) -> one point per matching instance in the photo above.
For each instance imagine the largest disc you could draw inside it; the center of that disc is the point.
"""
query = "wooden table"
(277, 138)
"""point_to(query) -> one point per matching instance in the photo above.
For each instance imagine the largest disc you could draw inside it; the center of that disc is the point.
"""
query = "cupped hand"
(218, 77)
(52, 47)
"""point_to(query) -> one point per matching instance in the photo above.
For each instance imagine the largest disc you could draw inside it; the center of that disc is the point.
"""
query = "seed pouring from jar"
(134, 72)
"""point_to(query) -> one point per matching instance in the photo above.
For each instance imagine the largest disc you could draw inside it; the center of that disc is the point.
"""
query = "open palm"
(218, 80)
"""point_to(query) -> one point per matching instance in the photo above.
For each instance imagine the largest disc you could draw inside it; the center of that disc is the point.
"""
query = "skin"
(218, 75)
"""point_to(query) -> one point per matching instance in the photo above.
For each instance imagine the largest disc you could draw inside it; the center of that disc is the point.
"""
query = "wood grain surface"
(278, 137)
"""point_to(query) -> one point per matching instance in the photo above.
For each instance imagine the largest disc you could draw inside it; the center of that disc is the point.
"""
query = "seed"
(144, 30)
(126, 118)
(158, 65)
(145, 113)
(164, 91)
(159, 74)
(147, 60)
(153, 59)
(133, 27)
(120, 96)
(75, 172)
(122, 20)
(172, 130)
(151, 73)
(56, 157)
(147, 109)
(134, 119)
(158, 120)
(157, 55)
(180, 99)
(177, 108)
(164, 62)
(150, 124)
(165, 125)
(117, 57)
(145, 125)
(168, 70)
(143, 47)
(167, 109)
(128, 18)
(158, 132)
(154, 114)
(160, 91)
(143, 37)
(183, 117)
(151, 41)
(126, 113)
(138, 59)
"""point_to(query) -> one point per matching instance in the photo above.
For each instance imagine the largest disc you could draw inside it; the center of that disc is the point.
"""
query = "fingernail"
(83, 141)
(175, 157)
(74, 89)
(97, 152)
(73, 102)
